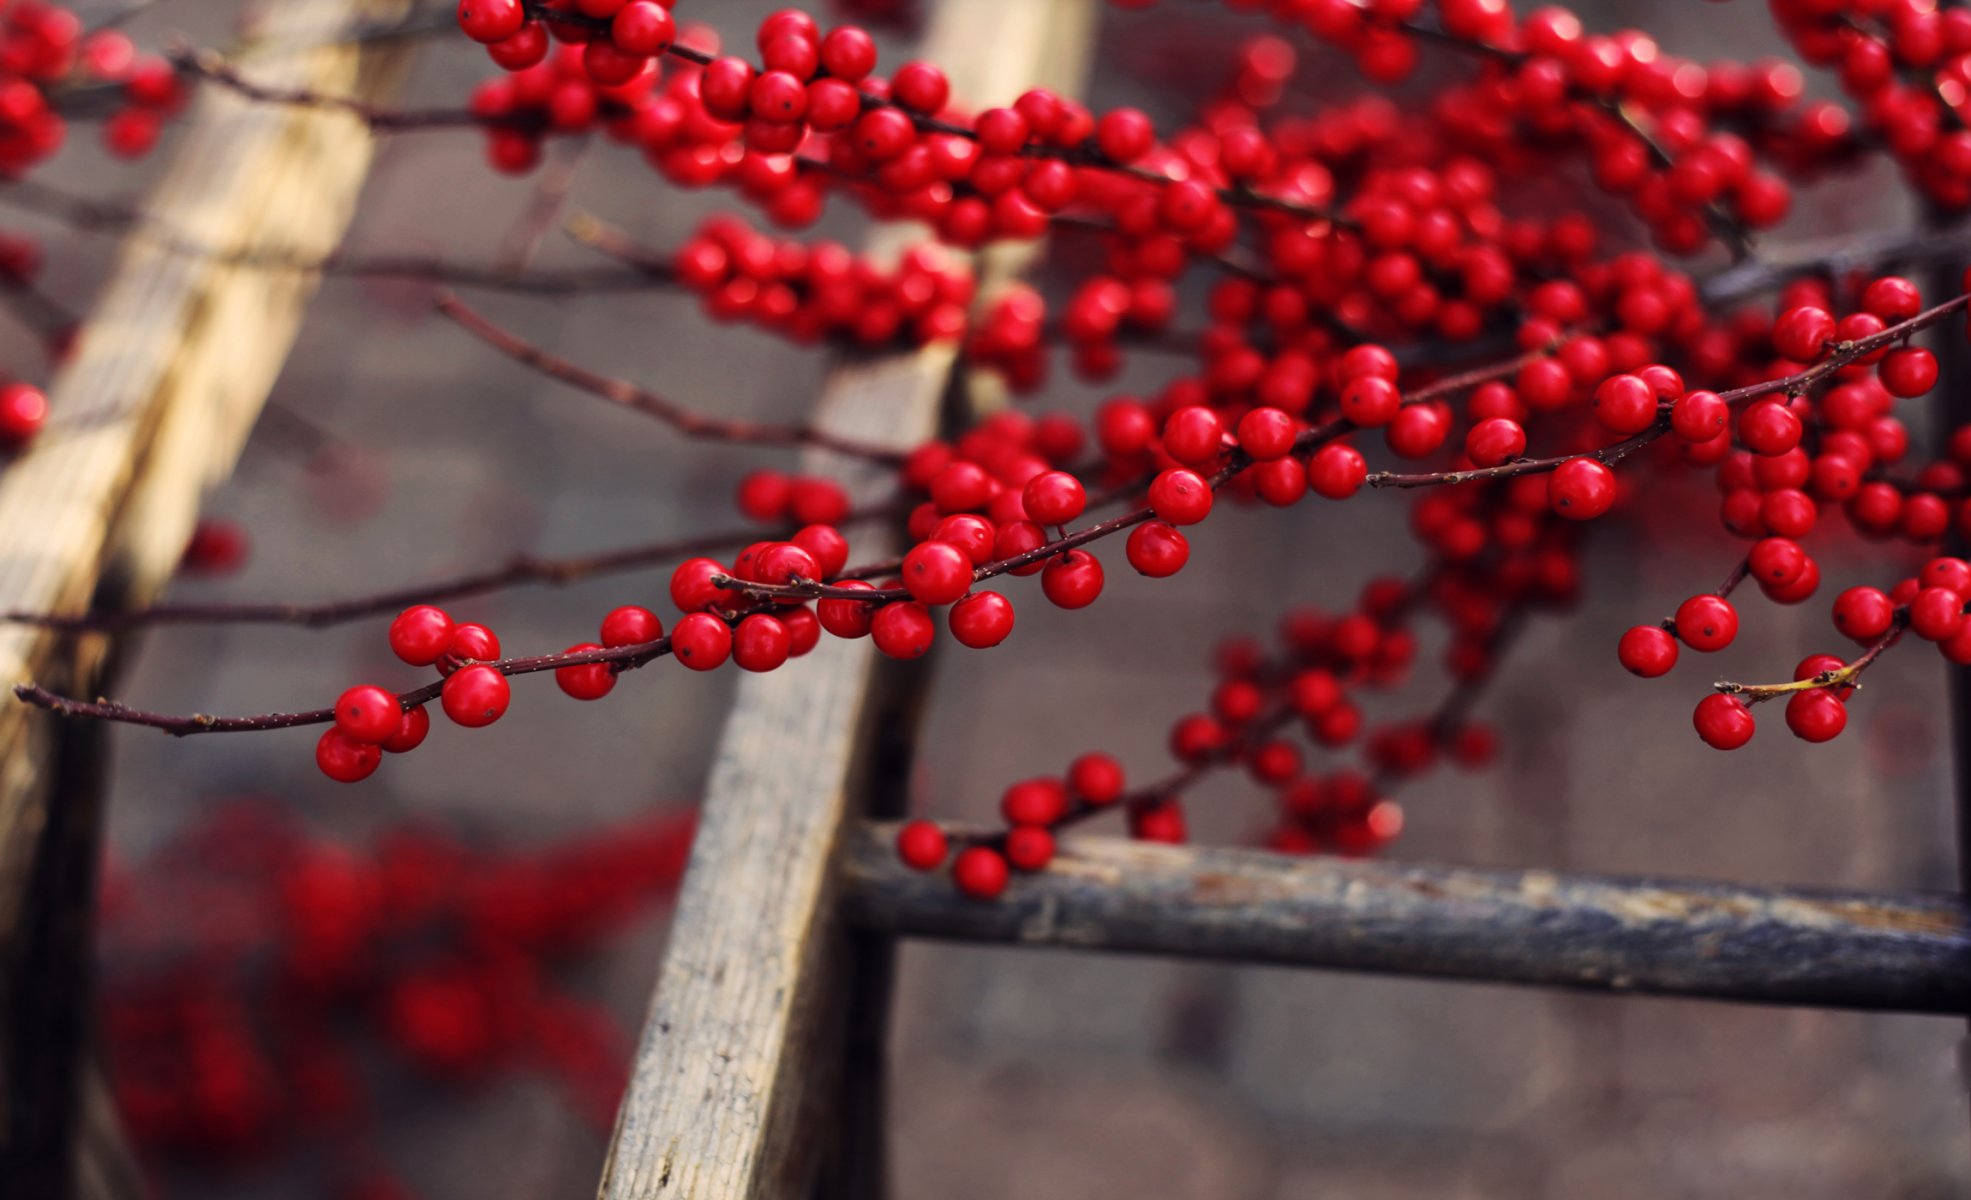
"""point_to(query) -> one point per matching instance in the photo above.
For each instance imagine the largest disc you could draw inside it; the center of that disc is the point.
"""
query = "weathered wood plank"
(744, 1051)
(167, 378)
(1771, 945)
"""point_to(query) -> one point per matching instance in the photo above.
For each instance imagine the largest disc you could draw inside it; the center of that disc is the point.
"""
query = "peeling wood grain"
(1773, 945)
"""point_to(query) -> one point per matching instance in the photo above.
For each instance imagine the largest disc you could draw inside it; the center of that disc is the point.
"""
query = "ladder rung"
(1907, 952)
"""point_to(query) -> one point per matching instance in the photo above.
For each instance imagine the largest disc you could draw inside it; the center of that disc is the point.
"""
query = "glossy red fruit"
(1157, 549)
(343, 758)
(1181, 496)
(903, 629)
(1072, 580)
(630, 625)
(981, 620)
(980, 872)
(1802, 333)
(1581, 489)
(1495, 440)
(1266, 434)
(922, 846)
(586, 681)
(412, 728)
(846, 618)
(701, 642)
(1699, 416)
(1054, 498)
(761, 643)
(1936, 614)
(1370, 401)
(1648, 651)
(368, 713)
(1096, 778)
(1816, 716)
(23, 411)
(1336, 471)
(1028, 848)
(488, 21)
(476, 696)
(1864, 613)
(1707, 623)
(937, 572)
(420, 635)
(1723, 722)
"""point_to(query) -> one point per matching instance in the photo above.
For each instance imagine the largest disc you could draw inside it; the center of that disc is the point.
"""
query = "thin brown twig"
(628, 395)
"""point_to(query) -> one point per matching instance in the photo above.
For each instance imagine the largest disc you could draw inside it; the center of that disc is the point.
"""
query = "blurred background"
(396, 449)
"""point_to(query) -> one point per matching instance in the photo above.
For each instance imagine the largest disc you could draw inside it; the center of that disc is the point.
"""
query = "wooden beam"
(170, 371)
(1771, 945)
(742, 1064)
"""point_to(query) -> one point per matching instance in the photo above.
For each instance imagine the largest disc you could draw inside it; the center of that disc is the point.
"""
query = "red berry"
(922, 846)
(1936, 614)
(412, 728)
(1699, 416)
(1648, 651)
(643, 27)
(1816, 716)
(701, 642)
(1073, 580)
(1157, 549)
(937, 572)
(23, 411)
(1769, 428)
(489, 21)
(1194, 435)
(368, 713)
(1041, 801)
(903, 629)
(1180, 496)
(1495, 440)
(1370, 400)
(475, 696)
(1723, 722)
(1581, 489)
(1028, 848)
(1625, 404)
(847, 618)
(1266, 434)
(920, 87)
(586, 681)
(1864, 613)
(692, 589)
(1802, 333)
(630, 625)
(1707, 623)
(980, 872)
(761, 643)
(343, 758)
(981, 620)
(470, 643)
(1054, 498)
(1908, 372)
(849, 54)
(1777, 562)
(1337, 471)
(421, 634)
(1096, 778)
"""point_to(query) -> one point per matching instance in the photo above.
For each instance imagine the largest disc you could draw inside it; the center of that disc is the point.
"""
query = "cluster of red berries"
(1774, 489)
(370, 720)
(1307, 684)
(824, 292)
(1907, 64)
(250, 966)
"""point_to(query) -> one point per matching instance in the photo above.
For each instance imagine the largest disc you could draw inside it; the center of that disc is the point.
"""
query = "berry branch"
(628, 395)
